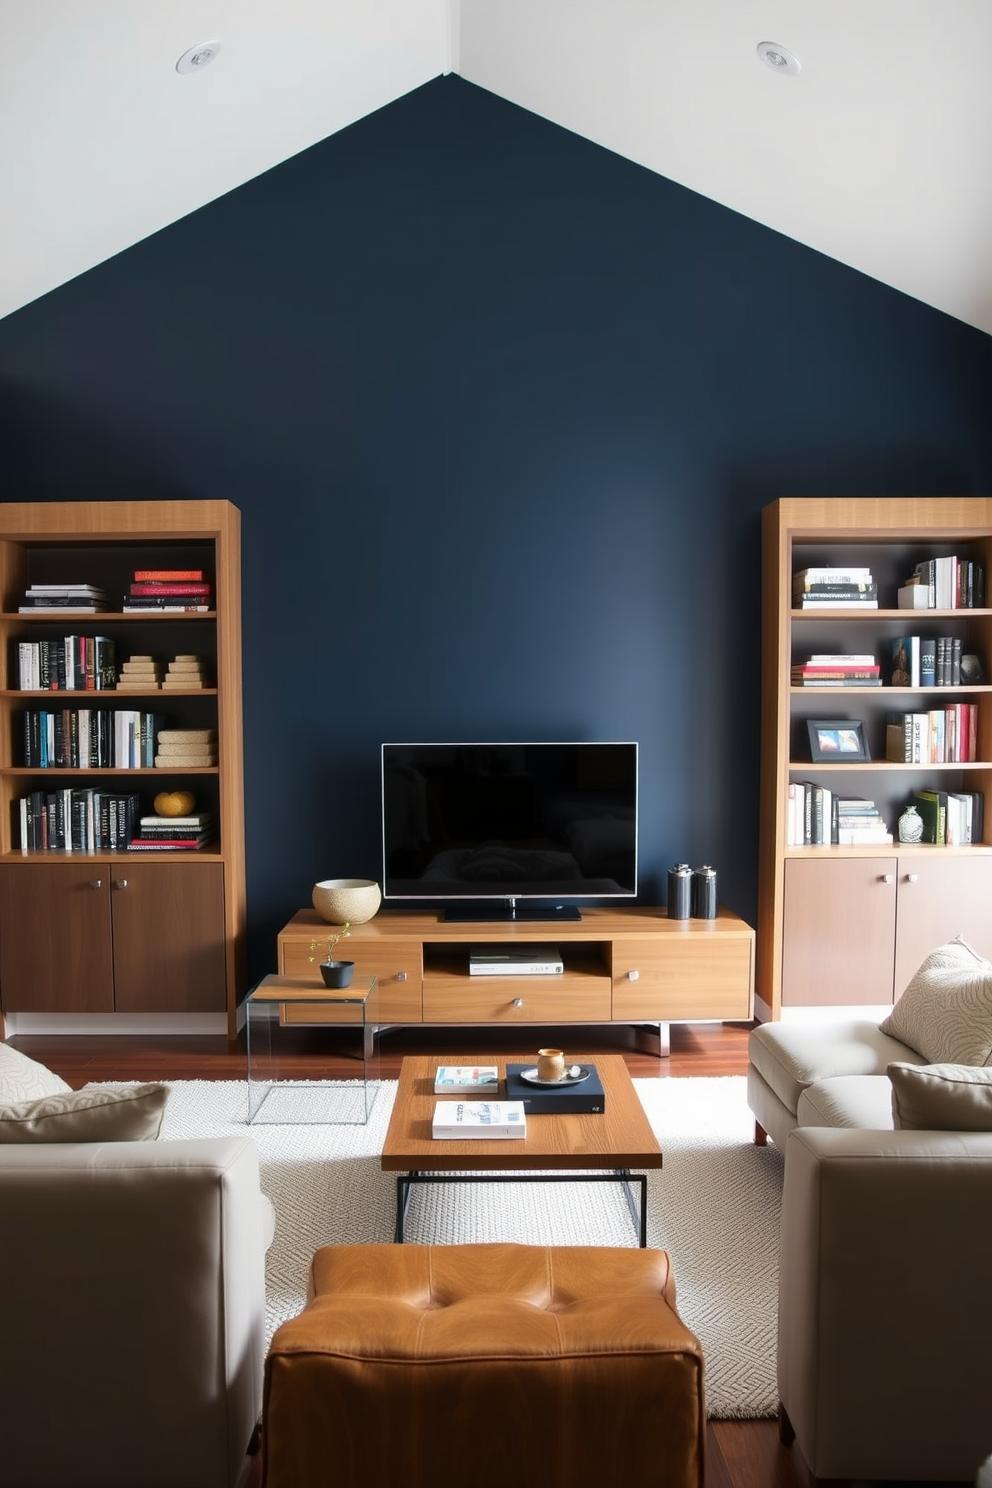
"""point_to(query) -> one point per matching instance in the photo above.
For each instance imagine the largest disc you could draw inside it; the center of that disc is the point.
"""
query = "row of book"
(77, 820)
(938, 737)
(951, 818)
(926, 661)
(88, 820)
(74, 663)
(171, 590)
(817, 816)
(834, 587)
(90, 738)
(951, 582)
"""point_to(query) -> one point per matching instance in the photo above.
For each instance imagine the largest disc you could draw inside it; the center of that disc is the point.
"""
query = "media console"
(630, 965)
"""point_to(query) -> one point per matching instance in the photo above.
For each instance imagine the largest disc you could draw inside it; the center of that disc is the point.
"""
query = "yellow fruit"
(174, 803)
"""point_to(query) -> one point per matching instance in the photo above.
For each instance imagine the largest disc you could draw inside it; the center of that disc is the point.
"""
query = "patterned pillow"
(24, 1079)
(941, 1097)
(945, 1013)
(97, 1113)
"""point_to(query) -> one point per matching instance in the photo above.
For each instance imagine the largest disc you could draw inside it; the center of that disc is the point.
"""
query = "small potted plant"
(334, 973)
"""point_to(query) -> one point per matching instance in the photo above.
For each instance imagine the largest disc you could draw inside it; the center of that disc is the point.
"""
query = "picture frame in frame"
(838, 741)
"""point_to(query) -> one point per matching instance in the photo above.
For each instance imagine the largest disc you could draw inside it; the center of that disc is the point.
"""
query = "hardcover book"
(469, 1121)
(518, 960)
(568, 1100)
(466, 1079)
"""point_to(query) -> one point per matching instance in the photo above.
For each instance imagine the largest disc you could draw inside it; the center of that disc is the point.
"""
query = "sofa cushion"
(941, 1097)
(97, 1113)
(790, 1056)
(860, 1101)
(24, 1079)
(945, 1013)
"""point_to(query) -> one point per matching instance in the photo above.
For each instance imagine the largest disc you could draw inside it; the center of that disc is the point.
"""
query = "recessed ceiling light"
(198, 57)
(778, 58)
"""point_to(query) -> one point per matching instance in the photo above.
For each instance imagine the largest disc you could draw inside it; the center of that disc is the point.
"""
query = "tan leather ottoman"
(416, 1365)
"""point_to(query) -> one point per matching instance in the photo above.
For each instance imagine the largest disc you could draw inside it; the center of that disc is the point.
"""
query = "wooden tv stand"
(621, 966)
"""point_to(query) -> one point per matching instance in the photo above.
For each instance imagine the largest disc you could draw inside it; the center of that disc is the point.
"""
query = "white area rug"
(714, 1207)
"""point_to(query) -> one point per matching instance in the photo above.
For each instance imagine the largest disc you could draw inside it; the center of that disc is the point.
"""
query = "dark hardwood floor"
(740, 1454)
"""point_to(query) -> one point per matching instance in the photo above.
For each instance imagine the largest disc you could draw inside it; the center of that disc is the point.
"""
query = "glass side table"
(279, 1004)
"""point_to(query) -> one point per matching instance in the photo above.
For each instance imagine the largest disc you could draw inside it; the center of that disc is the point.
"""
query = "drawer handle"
(518, 1002)
(96, 883)
(401, 976)
(912, 877)
(885, 878)
(120, 883)
(633, 976)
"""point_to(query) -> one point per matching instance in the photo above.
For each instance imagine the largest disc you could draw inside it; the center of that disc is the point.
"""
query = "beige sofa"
(133, 1304)
(885, 1307)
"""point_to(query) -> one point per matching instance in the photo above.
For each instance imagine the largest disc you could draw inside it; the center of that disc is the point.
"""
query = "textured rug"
(714, 1207)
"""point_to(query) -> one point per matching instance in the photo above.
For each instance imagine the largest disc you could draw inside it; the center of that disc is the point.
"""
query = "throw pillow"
(945, 1013)
(97, 1113)
(941, 1097)
(24, 1079)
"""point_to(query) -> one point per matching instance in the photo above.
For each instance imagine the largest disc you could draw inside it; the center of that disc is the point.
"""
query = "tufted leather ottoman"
(414, 1365)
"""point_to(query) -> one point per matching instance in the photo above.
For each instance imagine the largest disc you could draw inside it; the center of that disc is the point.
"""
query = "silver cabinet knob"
(96, 883)
(885, 878)
(633, 976)
(518, 1002)
(401, 976)
(912, 878)
(120, 883)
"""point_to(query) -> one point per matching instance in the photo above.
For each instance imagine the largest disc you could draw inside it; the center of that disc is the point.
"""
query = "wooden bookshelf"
(146, 940)
(847, 926)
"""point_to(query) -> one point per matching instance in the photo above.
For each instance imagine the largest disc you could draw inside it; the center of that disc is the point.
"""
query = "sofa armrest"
(133, 1312)
(885, 1311)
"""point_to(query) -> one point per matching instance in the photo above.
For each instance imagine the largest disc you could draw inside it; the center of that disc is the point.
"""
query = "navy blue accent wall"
(500, 411)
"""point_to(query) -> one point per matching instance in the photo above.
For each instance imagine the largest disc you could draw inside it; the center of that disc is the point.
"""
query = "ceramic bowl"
(346, 900)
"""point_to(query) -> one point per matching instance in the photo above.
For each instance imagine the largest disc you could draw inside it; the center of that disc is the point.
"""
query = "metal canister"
(704, 893)
(679, 892)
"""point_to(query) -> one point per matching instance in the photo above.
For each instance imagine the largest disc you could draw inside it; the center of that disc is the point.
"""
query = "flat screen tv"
(509, 831)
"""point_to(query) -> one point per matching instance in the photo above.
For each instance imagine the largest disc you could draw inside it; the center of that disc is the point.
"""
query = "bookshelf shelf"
(847, 925)
(144, 935)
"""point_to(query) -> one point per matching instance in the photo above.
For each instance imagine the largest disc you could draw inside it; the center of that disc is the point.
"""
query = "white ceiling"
(879, 153)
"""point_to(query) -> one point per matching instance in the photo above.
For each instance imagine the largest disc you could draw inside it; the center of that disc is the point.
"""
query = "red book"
(155, 588)
(176, 575)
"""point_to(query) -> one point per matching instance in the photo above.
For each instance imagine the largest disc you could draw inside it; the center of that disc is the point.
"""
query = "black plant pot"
(337, 973)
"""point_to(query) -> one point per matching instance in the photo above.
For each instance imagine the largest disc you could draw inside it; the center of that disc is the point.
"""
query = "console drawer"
(560, 999)
(396, 964)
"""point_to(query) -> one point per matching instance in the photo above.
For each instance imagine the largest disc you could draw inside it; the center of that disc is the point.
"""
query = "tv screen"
(508, 822)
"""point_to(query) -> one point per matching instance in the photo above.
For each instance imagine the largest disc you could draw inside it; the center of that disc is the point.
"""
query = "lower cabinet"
(102, 937)
(856, 929)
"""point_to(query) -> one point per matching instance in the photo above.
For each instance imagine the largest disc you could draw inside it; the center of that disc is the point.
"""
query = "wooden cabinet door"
(839, 935)
(939, 898)
(168, 936)
(670, 978)
(55, 942)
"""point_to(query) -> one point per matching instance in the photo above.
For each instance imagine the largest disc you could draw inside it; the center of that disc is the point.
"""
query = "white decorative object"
(911, 825)
(350, 901)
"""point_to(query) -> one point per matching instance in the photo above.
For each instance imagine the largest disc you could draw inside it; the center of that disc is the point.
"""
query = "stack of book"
(940, 736)
(172, 833)
(466, 1079)
(74, 599)
(834, 588)
(169, 590)
(859, 820)
(468, 1121)
(951, 818)
(841, 669)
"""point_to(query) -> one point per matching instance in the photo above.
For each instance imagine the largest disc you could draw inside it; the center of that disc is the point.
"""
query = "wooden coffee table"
(556, 1149)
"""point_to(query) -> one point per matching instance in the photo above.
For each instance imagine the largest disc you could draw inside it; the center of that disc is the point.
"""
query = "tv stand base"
(510, 912)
